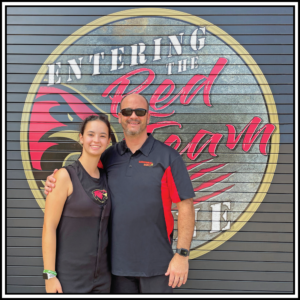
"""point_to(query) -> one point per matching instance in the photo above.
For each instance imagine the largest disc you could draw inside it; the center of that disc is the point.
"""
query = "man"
(144, 177)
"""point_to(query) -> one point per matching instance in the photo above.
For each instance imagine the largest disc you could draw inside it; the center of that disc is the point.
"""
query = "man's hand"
(178, 270)
(53, 286)
(50, 183)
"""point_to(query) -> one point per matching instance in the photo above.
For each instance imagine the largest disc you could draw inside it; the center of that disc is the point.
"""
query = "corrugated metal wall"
(257, 259)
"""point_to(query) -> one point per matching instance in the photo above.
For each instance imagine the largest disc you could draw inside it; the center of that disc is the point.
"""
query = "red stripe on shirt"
(169, 194)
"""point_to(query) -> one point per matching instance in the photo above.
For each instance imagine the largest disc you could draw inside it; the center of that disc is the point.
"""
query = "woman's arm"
(55, 202)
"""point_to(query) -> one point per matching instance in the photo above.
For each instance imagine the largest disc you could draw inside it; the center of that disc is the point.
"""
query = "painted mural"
(208, 99)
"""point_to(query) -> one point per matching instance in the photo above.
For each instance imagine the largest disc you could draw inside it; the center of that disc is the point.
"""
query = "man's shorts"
(140, 285)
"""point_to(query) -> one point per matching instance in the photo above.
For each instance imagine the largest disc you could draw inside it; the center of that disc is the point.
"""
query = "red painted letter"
(191, 147)
(249, 139)
(122, 84)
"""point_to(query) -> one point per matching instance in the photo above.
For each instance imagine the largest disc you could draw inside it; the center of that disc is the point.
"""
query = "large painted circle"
(225, 39)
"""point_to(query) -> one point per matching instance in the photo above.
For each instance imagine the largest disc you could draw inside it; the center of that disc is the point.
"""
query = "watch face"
(45, 275)
(183, 252)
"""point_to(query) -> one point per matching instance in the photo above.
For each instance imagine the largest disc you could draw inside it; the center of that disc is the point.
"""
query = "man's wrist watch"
(183, 252)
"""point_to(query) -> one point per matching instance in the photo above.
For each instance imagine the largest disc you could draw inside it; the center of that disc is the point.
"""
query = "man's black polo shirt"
(143, 186)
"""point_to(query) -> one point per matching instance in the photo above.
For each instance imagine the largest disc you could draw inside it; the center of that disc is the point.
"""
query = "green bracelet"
(50, 272)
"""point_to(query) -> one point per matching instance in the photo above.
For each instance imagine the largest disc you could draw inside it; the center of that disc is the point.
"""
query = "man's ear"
(119, 117)
(148, 117)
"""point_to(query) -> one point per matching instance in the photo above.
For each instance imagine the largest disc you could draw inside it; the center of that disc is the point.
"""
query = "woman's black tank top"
(82, 236)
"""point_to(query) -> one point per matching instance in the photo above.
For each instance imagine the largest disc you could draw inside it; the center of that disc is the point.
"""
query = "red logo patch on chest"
(100, 195)
(146, 163)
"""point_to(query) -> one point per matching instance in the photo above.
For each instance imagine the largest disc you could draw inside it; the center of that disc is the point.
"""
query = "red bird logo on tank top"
(100, 195)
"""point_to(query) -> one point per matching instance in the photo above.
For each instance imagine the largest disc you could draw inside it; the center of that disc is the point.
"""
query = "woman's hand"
(53, 286)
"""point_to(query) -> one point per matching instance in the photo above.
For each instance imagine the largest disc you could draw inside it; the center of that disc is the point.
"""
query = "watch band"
(47, 274)
(183, 252)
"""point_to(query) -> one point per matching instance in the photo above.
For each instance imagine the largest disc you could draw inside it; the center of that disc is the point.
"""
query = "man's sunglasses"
(127, 112)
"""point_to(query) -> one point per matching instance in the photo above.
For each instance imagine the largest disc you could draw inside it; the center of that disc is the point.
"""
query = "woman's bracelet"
(50, 272)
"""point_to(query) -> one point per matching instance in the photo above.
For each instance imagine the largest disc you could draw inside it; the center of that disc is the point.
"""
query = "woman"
(75, 237)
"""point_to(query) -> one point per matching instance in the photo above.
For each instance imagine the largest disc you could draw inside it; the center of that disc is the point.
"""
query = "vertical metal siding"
(258, 258)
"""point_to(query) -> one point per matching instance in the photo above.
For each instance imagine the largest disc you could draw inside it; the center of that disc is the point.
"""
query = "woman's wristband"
(50, 272)
(47, 274)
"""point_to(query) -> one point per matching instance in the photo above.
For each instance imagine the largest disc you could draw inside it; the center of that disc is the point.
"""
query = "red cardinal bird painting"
(53, 135)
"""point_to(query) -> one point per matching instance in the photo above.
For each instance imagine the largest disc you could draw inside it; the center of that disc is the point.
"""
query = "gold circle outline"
(241, 51)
